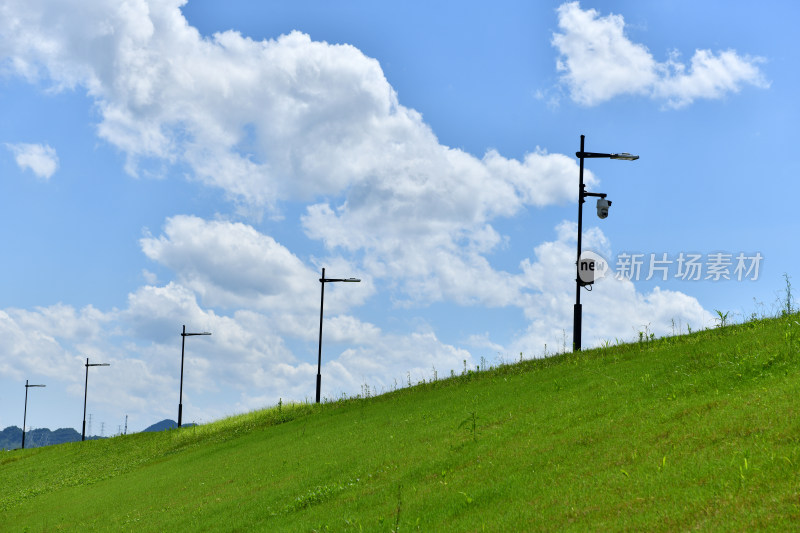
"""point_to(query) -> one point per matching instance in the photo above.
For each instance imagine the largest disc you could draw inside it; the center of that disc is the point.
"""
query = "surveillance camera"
(602, 207)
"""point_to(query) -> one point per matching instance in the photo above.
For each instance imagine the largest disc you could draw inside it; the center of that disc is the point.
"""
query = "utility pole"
(183, 346)
(85, 396)
(323, 280)
(601, 213)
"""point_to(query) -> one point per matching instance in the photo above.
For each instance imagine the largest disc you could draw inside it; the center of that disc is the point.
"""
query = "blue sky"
(166, 163)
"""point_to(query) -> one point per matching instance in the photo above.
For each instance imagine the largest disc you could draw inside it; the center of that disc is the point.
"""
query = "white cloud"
(66, 322)
(232, 265)
(429, 227)
(29, 349)
(390, 360)
(543, 289)
(245, 355)
(483, 341)
(155, 314)
(38, 158)
(265, 121)
(709, 76)
(252, 358)
(613, 310)
(287, 118)
(599, 62)
(149, 277)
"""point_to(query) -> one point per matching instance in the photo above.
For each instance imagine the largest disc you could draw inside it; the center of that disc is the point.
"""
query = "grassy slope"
(700, 431)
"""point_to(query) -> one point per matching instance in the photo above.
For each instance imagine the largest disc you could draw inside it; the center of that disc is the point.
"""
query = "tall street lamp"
(323, 280)
(86, 393)
(25, 411)
(602, 212)
(183, 345)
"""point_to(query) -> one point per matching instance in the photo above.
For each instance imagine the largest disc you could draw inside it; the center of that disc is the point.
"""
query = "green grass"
(681, 433)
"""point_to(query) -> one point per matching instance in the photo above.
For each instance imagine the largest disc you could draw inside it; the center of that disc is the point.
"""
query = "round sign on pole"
(592, 267)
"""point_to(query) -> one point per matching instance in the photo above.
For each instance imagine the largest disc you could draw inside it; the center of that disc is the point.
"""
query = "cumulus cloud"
(263, 120)
(231, 264)
(246, 353)
(599, 62)
(28, 348)
(428, 227)
(613, 310)
(41, 159)
(285, 118)
(543, 289)
(253, 350)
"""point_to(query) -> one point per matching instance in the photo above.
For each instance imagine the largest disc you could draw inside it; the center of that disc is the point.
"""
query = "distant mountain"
(161, 426)
(166, 424)
(11, 437)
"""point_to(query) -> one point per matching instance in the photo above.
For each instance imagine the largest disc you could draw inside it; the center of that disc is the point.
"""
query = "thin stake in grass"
(471, 423)
(399, 507)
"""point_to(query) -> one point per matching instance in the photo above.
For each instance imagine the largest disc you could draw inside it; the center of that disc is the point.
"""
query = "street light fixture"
(602, 212)
(25, 411)
(86, 393)
(183, 344)
(323, 280)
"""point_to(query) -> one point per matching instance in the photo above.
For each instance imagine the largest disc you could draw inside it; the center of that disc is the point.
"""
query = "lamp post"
(323, 280)
(25, 411)
(86, 393)
(183, 344)
(582, 194)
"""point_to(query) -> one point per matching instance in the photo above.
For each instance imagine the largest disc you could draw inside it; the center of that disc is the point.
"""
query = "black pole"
(183, 350)
(85, 394)
(180, 397)
(578, 309)
(319, 352)
(25, 414)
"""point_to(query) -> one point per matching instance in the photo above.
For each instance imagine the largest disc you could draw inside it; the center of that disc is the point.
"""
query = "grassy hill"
(691, 432)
